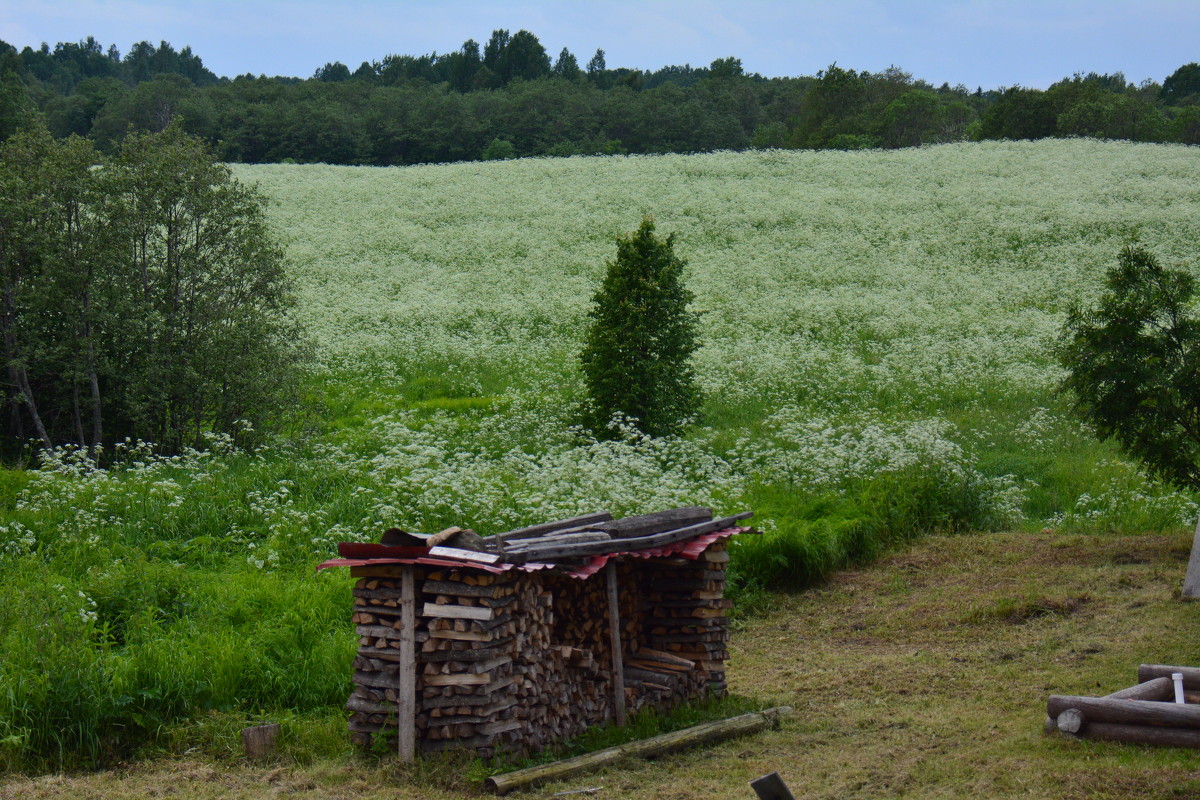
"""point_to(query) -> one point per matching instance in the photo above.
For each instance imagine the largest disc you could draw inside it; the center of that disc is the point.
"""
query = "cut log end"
(259, 741)
(1070, 721)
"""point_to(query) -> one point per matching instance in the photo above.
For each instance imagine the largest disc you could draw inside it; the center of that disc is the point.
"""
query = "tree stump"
(259, 741)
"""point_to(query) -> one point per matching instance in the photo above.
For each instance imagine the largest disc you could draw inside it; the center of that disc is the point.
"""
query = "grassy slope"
(924, 675)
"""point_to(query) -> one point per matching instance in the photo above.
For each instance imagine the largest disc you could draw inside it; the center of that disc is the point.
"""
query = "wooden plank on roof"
(552, 551)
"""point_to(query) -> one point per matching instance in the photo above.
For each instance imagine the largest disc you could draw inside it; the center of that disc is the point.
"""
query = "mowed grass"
(924, 675)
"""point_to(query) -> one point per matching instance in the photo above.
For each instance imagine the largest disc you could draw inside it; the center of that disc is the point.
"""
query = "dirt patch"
(1018, 611)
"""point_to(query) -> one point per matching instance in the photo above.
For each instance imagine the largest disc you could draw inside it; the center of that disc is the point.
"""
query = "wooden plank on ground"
(654, 746)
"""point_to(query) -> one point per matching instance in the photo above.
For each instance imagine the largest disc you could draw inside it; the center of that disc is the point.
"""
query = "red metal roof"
(691, 549)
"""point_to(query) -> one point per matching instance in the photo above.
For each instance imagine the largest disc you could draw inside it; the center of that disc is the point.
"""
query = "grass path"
(923, 675)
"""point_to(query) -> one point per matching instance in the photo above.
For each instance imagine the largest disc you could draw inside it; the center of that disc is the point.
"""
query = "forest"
(510, 98)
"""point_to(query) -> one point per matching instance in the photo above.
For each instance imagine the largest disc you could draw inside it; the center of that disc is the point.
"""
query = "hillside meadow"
(877, 364)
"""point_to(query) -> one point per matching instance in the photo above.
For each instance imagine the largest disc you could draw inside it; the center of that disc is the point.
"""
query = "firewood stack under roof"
(530, 636)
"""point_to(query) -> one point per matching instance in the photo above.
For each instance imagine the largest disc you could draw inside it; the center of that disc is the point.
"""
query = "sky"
(987, 43)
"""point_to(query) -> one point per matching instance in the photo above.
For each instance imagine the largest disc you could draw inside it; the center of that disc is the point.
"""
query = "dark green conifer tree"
(637, 355)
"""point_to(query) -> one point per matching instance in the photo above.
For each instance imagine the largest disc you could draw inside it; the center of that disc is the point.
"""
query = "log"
(259, 741)
(461, 589)
(377, 631)
(1154, 689)
(475, 654)
(469, 700)
(658, 745)
(1070, 721)
(650, 676)
(1127, 712)
(1191, 675)
(383, 680)
(367, 706)
(458, 679)
(1142, 734)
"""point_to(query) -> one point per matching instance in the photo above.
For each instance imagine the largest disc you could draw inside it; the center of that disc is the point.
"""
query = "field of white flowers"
(840, 291)
(877, 363)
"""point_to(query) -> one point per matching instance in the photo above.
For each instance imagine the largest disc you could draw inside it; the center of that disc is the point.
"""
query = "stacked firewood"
(489, 671)
(377, 611)
(505, 658)
(683, 612)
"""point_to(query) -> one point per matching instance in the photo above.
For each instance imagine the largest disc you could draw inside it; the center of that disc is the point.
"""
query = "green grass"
(924, 674)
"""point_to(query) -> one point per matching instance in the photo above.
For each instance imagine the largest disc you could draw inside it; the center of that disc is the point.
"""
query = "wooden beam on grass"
(1127, 712)
(694, 736)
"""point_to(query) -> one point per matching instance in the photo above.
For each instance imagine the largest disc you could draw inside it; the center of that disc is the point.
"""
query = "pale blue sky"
(987, 43)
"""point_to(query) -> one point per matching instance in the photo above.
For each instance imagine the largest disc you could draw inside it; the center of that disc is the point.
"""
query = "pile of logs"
(1148, 713)
(468, 657)
(683, 610)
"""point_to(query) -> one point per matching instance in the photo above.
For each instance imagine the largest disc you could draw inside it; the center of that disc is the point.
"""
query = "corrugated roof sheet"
(690, 549)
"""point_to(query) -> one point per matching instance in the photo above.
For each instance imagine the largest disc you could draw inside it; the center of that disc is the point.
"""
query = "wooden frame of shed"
(532, 636)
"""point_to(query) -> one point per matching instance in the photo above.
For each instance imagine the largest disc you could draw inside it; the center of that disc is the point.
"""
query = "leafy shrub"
(1133, 365)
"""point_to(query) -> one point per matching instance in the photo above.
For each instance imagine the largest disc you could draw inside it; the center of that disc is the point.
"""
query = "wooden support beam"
(547, 527)
(1191, 580)
(406, 702)
(614, 634)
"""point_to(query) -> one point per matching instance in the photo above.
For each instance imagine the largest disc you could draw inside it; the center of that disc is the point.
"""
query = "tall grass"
(99, 665)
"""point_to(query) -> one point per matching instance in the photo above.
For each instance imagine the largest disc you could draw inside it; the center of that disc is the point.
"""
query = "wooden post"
(406, 699)
(614, 635)
(771, 787)
(1191, 581)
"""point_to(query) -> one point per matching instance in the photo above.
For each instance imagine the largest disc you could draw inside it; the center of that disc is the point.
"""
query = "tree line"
(509, 98)
(142, 296)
